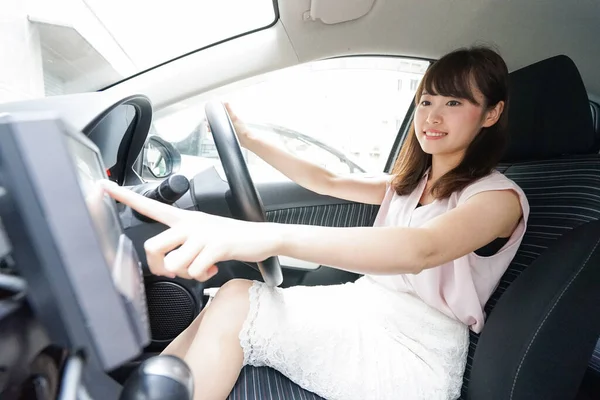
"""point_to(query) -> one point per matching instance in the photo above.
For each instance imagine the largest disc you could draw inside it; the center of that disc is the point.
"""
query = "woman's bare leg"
(215, 355)
(180, 345)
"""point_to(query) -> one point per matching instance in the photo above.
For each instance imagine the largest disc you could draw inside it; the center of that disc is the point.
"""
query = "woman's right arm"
(311, 176)
(318, 179)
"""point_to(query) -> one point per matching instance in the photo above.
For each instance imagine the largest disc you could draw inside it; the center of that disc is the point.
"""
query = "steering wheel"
(246, 200)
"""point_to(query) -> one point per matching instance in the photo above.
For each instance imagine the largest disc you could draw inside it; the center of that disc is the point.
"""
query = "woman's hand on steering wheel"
(241, 130)
(196, 241)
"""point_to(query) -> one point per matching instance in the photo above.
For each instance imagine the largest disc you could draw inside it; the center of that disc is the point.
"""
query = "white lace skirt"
(356, 341)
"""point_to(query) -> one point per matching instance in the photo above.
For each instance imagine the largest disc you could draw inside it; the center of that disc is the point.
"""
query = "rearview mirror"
(161, 158)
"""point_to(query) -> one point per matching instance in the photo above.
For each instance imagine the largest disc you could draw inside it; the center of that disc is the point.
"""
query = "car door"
(347, 115)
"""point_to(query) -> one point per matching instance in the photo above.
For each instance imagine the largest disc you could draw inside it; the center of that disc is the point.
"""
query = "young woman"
(446, 231)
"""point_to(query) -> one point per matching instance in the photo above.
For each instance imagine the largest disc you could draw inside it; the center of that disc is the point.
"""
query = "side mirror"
(161, 158)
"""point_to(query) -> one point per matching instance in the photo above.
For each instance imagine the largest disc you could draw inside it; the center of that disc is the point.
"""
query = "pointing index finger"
(153, 209)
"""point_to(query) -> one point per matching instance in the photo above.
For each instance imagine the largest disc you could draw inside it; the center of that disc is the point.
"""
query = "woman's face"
(447, 125)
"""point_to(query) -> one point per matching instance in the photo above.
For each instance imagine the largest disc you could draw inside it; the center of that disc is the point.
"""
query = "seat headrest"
(549, 112)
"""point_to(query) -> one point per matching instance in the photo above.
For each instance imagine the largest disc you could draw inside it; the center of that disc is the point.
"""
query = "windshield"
(54, 47)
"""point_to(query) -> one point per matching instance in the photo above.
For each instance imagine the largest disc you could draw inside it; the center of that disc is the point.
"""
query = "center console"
(81, 280)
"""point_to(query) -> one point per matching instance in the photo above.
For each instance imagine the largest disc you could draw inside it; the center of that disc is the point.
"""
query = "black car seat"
(595, 109)
(594, 366)
(542, 327)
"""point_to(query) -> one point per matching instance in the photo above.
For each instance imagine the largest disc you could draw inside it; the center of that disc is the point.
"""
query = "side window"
(343, 114)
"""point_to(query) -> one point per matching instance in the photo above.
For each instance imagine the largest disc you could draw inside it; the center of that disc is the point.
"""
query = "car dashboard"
(71, 279)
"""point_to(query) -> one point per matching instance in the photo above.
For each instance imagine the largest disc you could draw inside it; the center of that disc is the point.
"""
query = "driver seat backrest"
(541, 330)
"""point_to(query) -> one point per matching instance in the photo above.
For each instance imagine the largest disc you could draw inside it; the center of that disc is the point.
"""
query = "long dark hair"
(453, 76)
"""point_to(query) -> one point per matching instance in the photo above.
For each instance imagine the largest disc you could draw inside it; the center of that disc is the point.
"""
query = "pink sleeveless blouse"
(461, 287)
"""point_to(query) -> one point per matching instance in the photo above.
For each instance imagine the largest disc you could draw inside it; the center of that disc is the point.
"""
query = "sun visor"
(337, 11)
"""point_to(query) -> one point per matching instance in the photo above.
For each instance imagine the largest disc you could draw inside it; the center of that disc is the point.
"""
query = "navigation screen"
(85, 282)
(99, 204)
(117, 248)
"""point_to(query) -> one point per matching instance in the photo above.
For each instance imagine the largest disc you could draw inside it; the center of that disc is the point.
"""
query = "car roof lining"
(524, 32)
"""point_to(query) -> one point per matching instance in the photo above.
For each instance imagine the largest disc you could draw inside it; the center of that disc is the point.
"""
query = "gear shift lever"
(161, 377)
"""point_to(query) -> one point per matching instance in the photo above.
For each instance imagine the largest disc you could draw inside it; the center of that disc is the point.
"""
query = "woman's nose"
(434, 116)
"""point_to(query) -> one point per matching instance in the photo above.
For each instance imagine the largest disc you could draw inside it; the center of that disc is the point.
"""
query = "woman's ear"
(492, 115)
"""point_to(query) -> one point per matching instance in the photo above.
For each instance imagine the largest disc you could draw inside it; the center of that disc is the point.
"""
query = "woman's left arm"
(197, 241)
(394, 250)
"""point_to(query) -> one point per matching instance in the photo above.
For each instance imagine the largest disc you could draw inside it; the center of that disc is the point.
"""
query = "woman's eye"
(425, 103)
(453, 103)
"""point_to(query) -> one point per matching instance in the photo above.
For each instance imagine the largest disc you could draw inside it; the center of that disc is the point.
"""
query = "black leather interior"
(541, 327)
(595, 110)
(538, 340)
(549, 112)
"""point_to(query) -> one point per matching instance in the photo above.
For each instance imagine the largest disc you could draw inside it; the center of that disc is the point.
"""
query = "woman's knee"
(232, 299)
(235, 285)
(235, 289)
